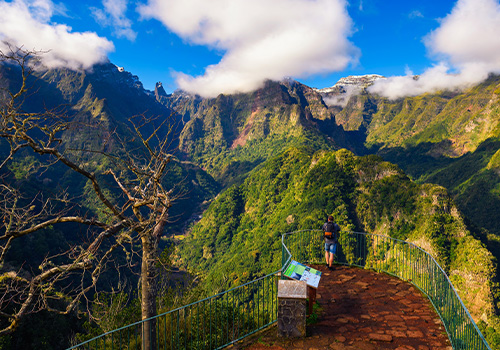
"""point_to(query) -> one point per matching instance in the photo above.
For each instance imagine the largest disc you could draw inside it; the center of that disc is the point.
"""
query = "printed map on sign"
(304, 273)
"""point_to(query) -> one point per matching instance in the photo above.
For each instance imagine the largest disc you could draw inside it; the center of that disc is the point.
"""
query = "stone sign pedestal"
(292, 307)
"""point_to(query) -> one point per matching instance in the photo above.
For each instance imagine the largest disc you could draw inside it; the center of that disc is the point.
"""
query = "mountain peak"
(355, 80)
(159, 91)
(341, 92)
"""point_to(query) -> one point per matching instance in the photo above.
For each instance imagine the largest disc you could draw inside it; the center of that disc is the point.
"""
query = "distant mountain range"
(450, 138)
(242, 147)
(430, 136)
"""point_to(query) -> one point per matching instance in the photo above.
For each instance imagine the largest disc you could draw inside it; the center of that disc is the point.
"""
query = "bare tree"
(135, 206)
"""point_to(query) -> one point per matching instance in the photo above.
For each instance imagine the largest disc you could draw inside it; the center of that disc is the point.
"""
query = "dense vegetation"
(239, 235)
(272, 154)
(229, 135)
(64, 167)
(448, 138)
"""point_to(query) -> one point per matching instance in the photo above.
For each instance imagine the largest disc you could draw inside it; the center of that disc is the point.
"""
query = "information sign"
(300, 272)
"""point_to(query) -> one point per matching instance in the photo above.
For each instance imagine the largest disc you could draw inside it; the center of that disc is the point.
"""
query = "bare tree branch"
(135, 206)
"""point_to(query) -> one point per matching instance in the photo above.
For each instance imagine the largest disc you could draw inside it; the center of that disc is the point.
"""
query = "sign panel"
(300, 272)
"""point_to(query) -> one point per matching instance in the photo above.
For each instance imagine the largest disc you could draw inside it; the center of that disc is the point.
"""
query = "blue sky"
(370, 37)
(388, 33)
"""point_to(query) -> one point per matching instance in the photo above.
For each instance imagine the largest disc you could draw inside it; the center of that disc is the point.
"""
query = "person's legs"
(332, 250)
(330, 261)
(327, 248)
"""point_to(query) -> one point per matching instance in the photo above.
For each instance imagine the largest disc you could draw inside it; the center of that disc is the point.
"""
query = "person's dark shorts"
(331, 247)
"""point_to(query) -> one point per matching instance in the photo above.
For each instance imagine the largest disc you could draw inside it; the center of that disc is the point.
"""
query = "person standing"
(331, 231)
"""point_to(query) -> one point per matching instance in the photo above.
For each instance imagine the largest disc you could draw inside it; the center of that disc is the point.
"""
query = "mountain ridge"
(268, 149)
(446, 125)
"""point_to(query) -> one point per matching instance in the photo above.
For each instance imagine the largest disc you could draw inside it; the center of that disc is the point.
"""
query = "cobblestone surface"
(364, 310)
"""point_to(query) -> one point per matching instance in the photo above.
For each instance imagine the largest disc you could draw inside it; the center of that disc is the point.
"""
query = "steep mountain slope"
(448, 138)
(230, 135)
(239, 235)
(100, 105)
(455, 123)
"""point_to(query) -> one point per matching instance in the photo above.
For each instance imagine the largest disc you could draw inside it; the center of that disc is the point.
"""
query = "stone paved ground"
(364, 310)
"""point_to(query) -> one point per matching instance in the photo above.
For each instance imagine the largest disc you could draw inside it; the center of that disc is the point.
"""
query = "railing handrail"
(443, 272)
(174, 310)
(410, 244)
(450, 283)
(285, 261)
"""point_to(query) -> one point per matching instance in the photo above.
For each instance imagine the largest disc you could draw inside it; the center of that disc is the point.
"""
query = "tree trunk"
(148, 297)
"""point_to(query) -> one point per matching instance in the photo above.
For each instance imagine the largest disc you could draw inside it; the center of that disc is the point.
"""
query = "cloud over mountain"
(27, 23)
(466, 45)
(260, 39)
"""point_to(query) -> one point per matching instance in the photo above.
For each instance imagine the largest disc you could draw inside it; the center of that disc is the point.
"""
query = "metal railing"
(211, 323)
(398, 258)
(228, 317)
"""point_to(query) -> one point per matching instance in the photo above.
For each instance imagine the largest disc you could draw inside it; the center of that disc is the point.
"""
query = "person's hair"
(330, 218)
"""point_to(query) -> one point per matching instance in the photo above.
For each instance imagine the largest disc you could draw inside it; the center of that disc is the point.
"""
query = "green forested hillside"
(229, 135)
(100, 105)
(473, 178)
(435, 138)
(447, 138)
(453, 122)
(239, 235)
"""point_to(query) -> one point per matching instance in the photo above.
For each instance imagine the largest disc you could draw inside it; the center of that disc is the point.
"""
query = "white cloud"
(27, 23)
(467, 45)
(469, 34)
(261, 39)
(114, 15)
